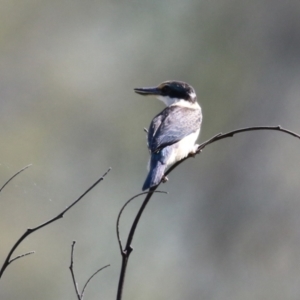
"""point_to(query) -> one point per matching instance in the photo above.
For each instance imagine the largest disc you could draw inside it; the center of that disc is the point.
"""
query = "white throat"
(168, 101)
(177, 101)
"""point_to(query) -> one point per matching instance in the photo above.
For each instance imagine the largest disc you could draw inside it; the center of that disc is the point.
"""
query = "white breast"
(183, 148)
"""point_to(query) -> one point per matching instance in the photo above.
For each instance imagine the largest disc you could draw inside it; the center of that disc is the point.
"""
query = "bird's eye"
(165, 89)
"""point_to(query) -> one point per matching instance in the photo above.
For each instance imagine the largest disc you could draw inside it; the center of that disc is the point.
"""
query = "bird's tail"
(156, 173)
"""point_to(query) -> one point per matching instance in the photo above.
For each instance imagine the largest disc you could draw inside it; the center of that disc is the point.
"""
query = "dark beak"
(148, 91)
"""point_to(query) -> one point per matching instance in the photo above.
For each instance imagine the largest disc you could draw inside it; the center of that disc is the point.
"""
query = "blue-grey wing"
(171, 125)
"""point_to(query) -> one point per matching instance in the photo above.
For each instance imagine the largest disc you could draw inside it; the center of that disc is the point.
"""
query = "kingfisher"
(172, 134)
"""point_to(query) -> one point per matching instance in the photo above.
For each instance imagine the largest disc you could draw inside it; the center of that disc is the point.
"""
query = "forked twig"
(80, 296)
(121, 211)
(128, 249)
(29, 231)
(72, 271)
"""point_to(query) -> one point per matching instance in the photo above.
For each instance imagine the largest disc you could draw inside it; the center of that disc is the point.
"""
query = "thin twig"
(221, 136)
(11, 178)
(80, 296)
(72, 271)
(84, 287)
(87, 191)
(128, 249)
(31, 230)
(22, 255)
(121, 211)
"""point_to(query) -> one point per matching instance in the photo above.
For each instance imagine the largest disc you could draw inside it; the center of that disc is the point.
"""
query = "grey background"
(229, 227)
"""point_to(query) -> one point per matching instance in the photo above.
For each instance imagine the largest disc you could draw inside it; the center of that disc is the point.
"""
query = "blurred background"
(229, 227)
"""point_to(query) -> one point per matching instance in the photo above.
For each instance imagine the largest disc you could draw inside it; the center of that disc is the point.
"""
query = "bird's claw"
(164, 179)
(194, 151)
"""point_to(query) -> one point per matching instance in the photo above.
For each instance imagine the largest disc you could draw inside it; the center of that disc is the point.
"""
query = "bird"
(172, 133)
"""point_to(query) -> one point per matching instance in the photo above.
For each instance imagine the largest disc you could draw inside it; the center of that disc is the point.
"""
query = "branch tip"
(87, 282)
(15, 175)
(20, 256)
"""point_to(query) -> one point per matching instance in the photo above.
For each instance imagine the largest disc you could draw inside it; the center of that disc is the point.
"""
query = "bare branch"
(221, 136)
(31, 230)
(87, 191)
(121, 211)
(80, 296)
(11, 178)
(82, 293)
(128, 249)
(72, 271)
(20, 256)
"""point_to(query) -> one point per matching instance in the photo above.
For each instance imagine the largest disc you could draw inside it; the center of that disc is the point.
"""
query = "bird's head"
(171, 92)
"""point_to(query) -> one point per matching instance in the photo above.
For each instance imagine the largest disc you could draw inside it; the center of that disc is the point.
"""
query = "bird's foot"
(164, 179)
